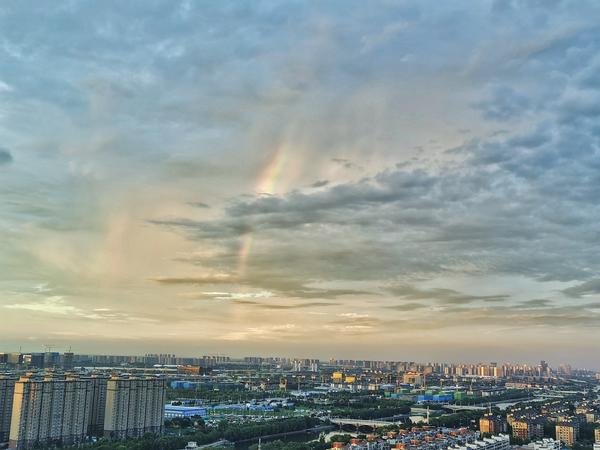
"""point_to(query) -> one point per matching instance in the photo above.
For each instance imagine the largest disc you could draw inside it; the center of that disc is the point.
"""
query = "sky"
(399, 180)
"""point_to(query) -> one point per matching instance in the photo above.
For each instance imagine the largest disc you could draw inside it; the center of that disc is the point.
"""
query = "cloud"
(591, 287)
(262, 333)
(5, 156)
(200, 204)
(535, 303)
(296, 306)
(320, 183)
(410, 306)
(379, 202)
(443, 296)
(504, 104)
(272, 286)
(345, 163)
(51, 305)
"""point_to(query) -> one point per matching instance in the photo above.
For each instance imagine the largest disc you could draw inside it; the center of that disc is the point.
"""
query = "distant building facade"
(7, 389)
(98, 404)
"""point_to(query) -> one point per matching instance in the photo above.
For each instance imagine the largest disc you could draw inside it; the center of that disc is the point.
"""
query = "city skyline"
(409, 180)
(182, 359)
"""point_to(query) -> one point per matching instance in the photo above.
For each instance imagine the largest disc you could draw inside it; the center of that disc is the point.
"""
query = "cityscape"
(51, 399)
(300, 225)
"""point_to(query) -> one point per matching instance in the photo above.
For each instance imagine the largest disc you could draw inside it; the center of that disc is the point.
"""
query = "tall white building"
(49, 410)
(134, 406)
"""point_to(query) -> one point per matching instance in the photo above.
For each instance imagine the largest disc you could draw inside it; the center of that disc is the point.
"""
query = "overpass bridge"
(455, 408)
(364, 422)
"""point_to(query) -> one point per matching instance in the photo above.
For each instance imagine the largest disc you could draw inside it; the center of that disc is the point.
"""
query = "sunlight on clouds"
(196, 187)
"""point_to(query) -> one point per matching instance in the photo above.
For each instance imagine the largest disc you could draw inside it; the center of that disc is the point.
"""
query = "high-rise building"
(67, 360)
(7, 389)
(34, 360)
(51, 359)
(98, 404)
(567, 432)
(528, 429)
(134, 406)
(49, 411)
(492, 424)
(15, 359)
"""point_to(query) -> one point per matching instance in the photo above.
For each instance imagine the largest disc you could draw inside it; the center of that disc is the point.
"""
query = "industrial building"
(173, 411)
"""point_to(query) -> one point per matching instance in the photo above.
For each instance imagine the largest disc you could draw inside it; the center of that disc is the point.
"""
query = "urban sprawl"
(160, 401)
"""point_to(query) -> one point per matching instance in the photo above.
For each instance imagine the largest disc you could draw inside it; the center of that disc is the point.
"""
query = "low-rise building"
(545, 444)
(175, 411)
(500, 442)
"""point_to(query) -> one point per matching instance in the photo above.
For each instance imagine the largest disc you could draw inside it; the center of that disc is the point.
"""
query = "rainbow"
(266, 184)
(270, 175)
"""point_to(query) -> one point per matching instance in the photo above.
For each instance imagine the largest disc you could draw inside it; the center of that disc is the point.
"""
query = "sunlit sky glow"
(408, 180)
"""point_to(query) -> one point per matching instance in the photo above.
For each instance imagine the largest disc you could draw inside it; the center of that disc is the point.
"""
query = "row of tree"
(224, 430)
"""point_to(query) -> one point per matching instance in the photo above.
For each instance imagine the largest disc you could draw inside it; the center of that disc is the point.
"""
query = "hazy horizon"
(344, 179)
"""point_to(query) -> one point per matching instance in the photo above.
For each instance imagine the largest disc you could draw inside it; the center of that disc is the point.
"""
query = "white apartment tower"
(134, 406)
(49, 411)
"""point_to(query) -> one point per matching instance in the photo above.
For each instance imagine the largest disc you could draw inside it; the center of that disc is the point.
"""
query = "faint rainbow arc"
(266, 184)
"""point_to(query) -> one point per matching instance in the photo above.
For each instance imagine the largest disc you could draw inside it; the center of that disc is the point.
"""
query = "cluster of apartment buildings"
(528, 422)
(427, 438)
(64, 409)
